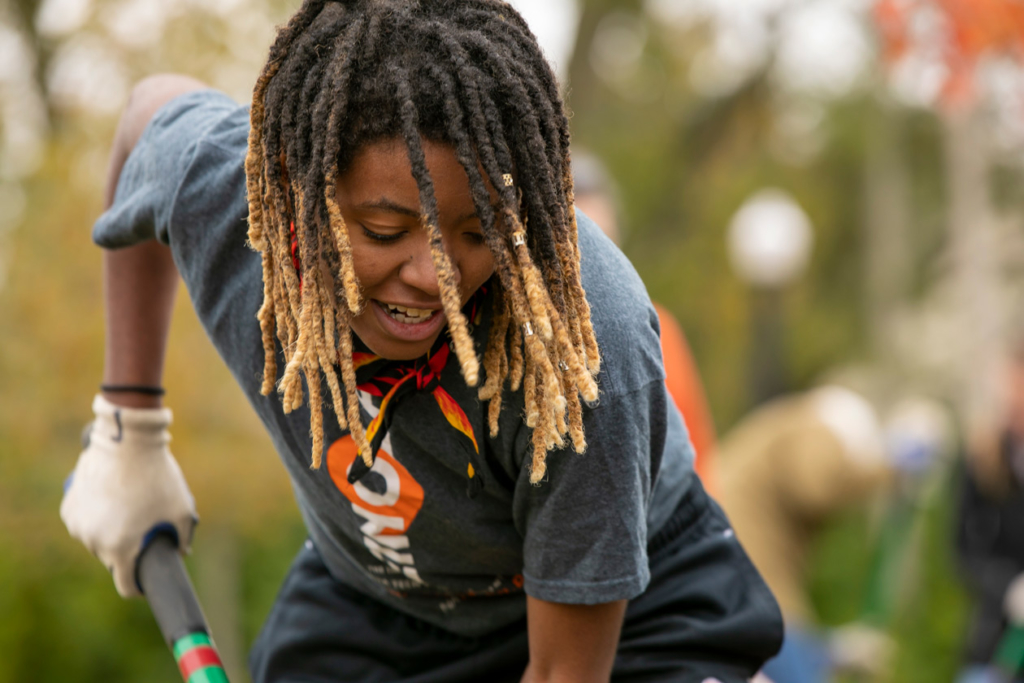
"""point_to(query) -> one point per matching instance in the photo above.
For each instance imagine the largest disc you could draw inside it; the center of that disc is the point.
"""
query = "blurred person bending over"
(404, 173)
(596, 197)
(784, 470)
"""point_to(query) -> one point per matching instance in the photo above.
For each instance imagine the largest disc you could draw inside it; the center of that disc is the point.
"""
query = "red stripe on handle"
(196, 659)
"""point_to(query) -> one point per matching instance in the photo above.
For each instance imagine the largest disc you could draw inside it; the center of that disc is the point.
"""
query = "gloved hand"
(861, 649)
(125, 485)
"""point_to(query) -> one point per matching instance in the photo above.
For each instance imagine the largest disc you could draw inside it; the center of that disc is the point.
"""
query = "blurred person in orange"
(596, 196)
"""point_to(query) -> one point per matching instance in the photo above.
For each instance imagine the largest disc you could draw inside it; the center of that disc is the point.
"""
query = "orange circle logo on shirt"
(402, 497)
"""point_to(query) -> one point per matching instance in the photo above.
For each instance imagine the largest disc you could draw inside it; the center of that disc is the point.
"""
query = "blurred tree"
(24, 14)
(963, 32)
(686, 162)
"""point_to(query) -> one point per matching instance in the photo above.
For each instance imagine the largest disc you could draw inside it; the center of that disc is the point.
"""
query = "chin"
(406, 354)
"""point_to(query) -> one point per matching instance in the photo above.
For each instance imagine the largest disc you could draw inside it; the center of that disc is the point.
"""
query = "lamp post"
(769, 243)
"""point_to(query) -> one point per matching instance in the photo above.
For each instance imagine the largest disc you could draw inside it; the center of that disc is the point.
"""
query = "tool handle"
(166, 585)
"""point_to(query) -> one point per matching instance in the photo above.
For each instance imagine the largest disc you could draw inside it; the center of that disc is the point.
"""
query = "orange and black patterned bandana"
(391, 380)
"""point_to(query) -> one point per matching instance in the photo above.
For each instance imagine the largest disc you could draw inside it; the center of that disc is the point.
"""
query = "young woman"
(461, 374)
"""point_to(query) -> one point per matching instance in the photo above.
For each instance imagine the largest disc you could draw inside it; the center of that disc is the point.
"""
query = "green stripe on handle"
(198, 660)
(211, 674)
(191, 641)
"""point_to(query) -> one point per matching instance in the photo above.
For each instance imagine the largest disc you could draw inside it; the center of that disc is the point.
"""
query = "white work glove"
(861, 649)
(126, 487)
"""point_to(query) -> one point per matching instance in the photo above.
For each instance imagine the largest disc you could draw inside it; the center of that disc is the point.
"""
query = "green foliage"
(930, 632)
(265, 559)
(683, 180)
(929, 607)
(840, 564)
(62, 615)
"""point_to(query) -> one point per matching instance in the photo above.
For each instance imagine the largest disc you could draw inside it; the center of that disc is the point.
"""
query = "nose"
(418, 270)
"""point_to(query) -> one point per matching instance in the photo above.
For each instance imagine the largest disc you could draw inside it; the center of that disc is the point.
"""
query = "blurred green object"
(1010, 654)
(889, 559)
(929, 625)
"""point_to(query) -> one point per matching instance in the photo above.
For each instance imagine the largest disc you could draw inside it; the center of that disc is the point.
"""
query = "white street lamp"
(769, 244)
(770, 240)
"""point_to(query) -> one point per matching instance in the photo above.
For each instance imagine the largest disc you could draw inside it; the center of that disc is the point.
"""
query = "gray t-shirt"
(407, 533)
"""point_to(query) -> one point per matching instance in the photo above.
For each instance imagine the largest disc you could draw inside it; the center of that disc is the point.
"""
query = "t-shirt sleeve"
(151, 178)
(585, 526)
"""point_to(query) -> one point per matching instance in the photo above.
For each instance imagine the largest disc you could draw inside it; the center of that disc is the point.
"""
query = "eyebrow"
(385, 204)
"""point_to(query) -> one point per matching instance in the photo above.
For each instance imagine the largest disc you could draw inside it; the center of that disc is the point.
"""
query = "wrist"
(121, 424)
(127, 400)
(133, 395)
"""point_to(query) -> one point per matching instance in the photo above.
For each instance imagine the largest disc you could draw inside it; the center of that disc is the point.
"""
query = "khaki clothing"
(783, 470)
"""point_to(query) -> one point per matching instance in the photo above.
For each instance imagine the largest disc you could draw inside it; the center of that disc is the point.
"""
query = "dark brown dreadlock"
(467, 73)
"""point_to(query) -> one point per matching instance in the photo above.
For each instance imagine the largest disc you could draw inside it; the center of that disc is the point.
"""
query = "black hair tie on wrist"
(132, 389)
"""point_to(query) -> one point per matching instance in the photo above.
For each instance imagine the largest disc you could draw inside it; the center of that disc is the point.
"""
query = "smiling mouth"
(408, 315)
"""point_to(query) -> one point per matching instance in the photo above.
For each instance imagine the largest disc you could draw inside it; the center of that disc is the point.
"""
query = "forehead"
(385, 164)
(382, 170)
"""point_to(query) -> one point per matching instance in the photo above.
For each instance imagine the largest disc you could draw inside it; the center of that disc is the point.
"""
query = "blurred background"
(823, 193)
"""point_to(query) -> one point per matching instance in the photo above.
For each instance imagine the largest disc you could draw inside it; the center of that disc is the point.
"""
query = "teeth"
(414, 312)
(408, 315)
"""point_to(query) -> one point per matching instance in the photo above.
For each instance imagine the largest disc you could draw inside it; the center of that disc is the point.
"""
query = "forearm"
(140, 283)
(572, 643)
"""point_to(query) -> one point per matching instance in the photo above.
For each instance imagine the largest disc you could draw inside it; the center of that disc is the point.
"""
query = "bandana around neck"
(391, 380)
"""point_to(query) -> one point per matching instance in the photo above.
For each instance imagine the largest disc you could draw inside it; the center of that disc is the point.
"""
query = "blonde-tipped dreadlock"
(467, 73)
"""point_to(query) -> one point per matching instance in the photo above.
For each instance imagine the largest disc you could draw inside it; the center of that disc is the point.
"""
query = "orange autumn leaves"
(960, 33)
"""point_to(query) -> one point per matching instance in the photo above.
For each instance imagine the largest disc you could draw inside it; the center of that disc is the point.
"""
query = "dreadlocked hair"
(466, 73)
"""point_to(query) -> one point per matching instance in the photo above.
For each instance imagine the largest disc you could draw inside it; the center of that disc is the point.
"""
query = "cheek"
(476, 268)
(367, 266)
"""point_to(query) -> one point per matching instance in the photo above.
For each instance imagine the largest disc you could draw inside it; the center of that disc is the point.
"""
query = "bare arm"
(572, 643)
(139, 281)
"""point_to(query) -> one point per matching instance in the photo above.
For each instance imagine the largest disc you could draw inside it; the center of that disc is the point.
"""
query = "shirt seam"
(563, 583)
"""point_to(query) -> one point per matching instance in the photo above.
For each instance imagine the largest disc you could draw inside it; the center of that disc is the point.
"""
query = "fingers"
(86, 433)
(124, 579)
(187, 532)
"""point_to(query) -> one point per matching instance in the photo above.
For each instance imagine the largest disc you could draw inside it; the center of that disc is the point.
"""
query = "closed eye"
(381, 237)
